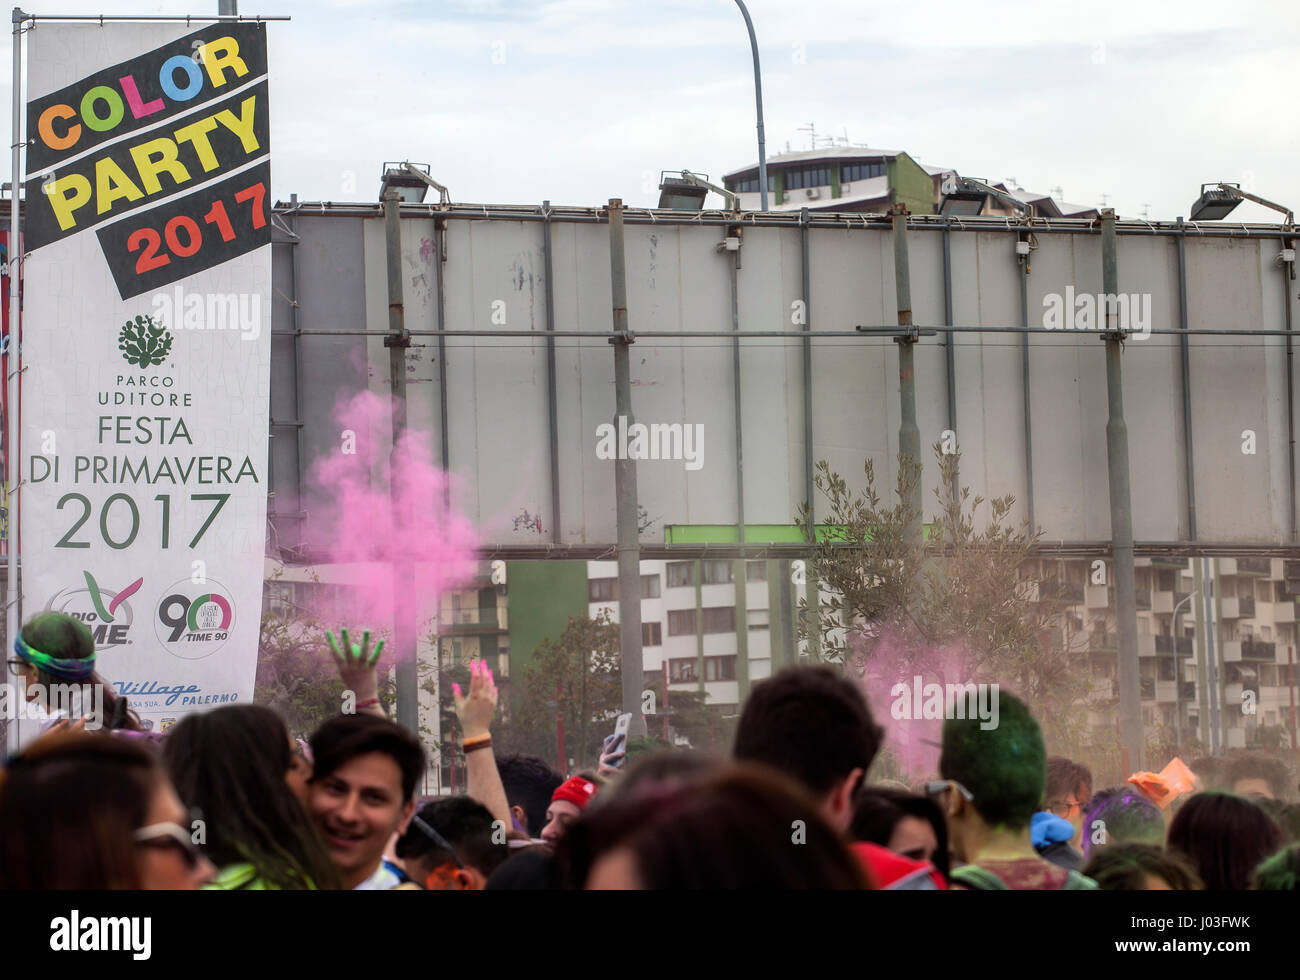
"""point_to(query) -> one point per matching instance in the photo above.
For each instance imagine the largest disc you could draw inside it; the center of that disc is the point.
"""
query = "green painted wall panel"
(542, 597)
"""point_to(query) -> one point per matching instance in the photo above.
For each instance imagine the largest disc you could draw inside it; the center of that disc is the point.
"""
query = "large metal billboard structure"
(511, 369)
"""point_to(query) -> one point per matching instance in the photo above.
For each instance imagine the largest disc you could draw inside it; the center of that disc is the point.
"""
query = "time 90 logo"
(194, 621)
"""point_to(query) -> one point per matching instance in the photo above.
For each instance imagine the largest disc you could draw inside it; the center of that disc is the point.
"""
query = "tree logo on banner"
(143, 342)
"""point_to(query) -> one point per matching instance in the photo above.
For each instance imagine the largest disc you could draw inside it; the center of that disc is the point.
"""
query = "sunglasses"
(937, 786)
(170, 835)
(438, 840)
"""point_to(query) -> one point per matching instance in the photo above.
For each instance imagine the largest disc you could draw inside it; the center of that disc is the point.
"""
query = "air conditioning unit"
(812, 193)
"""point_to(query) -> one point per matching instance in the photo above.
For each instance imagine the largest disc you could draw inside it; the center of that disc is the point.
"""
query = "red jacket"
(888, 870)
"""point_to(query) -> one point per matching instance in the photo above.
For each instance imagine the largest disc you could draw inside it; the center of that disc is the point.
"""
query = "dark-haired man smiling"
(362, 792)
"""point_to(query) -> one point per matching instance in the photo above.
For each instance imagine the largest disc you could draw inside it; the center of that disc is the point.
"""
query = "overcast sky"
(514, 101)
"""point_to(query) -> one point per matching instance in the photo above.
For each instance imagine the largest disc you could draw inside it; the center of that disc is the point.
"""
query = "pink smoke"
(882, 658)
(357, 519)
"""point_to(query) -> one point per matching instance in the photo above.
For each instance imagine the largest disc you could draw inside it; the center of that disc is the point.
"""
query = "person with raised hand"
(475, 711)
(356, 666)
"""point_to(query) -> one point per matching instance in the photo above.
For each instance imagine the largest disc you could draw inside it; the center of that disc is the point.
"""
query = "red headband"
(577, 791)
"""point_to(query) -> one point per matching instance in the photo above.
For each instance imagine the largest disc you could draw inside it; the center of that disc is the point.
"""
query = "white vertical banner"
(147, 348)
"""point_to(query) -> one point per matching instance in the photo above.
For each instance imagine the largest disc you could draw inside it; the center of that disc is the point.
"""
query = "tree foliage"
(296, 675)
(959, 589)
(577, 678)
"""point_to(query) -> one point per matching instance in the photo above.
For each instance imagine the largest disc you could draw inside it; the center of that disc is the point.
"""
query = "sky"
(1133, 104)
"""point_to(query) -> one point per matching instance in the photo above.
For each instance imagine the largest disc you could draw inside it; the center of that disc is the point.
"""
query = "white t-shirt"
(384, 879)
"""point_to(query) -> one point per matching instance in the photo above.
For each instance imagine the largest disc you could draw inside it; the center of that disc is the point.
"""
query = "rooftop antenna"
(1103, 200)
(1058, 193)
(1146, 210)
(811, 130)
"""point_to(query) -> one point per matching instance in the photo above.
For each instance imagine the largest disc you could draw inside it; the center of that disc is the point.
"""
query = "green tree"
(691, 717)
(577, 678)
(956, 602)
(295, 672)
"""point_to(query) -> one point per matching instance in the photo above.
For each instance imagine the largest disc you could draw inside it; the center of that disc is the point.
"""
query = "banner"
(146, 352)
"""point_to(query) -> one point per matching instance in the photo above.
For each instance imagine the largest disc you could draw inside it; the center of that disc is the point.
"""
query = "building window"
(755, 571)
(759, 619)
(652, 635)
(721, 619)
(850, 172)
(717, 571)
(681, 573)
(649, 586)
(682, 671)
(749, 185)
(719, 668)
(602, 589)
(681, 622)
(796, 177)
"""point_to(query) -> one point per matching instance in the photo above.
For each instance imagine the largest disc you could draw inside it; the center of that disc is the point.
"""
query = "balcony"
(1167, 691)
(1291, 572)
(1168, 562)
(1162, 602)
(1054, 590)
(1107, 642)
(1103, 689)
(1174, 645)
(1147, 688)
(1237, 607)
(1232, 693)
(1284, 611)
(1143, 597)
(1187, 690)
(1251, 651)
(1254, 566)
(1097, 596)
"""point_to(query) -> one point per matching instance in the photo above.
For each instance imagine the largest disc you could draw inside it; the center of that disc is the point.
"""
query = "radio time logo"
(105, 612)
(194, 621)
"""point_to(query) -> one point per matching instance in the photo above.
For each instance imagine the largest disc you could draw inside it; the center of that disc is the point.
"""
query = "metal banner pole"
(13, 467)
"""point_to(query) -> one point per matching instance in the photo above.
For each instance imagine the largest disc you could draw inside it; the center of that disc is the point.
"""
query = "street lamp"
(410, 183)
(1218, 200)
(688, 191)
(758, 99)
(1178, 674)
(965, 196)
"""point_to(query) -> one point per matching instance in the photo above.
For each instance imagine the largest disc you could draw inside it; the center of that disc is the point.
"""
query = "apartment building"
(689, 628)
(1250, 676)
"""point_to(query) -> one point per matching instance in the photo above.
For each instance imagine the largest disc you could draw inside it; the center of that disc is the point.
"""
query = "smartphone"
(618, 742)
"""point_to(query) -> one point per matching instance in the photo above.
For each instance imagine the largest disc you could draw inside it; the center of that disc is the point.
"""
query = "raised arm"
(475, 711)
(356, 666)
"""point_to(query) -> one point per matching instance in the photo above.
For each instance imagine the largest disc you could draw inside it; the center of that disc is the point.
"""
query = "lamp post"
(758, 99)
(965, 197)
(1178, 674)
(1218, 200)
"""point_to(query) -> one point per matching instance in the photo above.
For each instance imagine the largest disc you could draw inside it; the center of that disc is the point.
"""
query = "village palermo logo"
(194, 621)
(109, 621)
(143, 341)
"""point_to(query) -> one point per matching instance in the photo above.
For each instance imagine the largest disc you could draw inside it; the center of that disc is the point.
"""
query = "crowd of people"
(229, 800)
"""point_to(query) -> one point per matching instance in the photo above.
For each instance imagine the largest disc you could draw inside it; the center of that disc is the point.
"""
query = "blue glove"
(1047, 828)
